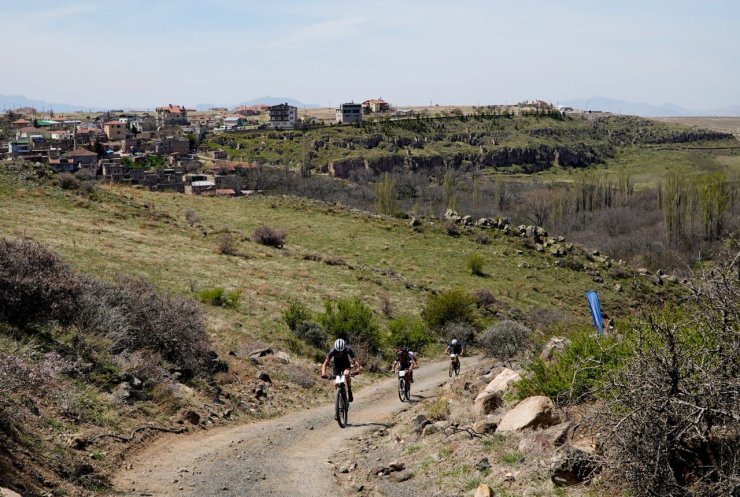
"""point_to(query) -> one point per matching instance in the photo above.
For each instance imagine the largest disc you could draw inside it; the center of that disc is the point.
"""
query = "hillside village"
(165, 150)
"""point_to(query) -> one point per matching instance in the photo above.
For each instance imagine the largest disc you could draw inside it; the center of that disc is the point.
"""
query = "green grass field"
(133, 232)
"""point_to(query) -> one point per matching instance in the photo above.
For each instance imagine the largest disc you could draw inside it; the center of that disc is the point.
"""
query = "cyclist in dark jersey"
(343, 356)
(406, 361)
(455, 347)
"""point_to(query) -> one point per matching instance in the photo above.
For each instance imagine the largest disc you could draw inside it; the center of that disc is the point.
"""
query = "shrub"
(579, 371)
(191, 217)
(484, 297)
(350, 319)
(219, 297)
(437, 409)
(451, 228)
(296, 314)
(408, 331)
(475, 264)
(506, 339)
(68, 181)
(35, 285)
(265, 235)
(674, 405)
(482, 238)
(133, 315)
(445, 307)
(463, 332)
(311, 333)
(226, 244)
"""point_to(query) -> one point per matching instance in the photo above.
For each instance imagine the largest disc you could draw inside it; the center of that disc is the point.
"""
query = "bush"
(219, 297)
(311, 333)
(451, 228)
(408, 331)
(134, 316)
(265, 235)
(475, 264)
(68, 181)
(351, 320)
(674, 405)
(296, 314)
(507, 339)
(464, 332)
(226, 244)
(484, 297)
(482, 238)
(454, 305)
(35, 285)
(579, 371)
(191, 217)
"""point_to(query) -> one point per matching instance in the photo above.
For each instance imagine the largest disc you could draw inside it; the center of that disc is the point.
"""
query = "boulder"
(6, 492)
(466, 221)
(487, 403)
(483, 465)
(553, 347)
(502, 381)
(261, 352)
(545, 441)
(487, 425)
(430, 429)
(414, 222)
(532, 412)
(484, 490)
(262, 376)
(452, 215)
(283, 357)
(571, 466)
(419, 422)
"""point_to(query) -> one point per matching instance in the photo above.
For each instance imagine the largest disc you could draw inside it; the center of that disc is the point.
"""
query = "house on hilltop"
(283, 116)
(349, 113)
(172, 115)
(376, 105)
(115, 130)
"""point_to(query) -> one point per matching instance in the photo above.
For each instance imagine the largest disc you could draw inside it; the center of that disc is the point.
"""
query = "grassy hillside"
(172, 240)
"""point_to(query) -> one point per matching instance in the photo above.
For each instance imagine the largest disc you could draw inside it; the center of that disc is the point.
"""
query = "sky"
(145, 53)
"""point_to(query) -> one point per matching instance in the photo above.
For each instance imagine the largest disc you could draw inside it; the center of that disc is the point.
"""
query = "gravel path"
(280, 457)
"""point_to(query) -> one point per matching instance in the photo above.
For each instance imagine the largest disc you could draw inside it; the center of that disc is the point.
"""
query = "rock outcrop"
(532, 412)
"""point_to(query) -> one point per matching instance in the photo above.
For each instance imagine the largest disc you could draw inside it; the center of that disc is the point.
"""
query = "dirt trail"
(283, 456)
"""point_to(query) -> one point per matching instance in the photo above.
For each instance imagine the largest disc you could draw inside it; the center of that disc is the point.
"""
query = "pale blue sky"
(143, 53)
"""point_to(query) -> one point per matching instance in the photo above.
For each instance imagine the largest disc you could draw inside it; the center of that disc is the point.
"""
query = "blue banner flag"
(593, 304)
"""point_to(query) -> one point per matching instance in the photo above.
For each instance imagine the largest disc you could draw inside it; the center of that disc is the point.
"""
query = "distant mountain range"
(616, 106)
(262, 100)
(16, 101)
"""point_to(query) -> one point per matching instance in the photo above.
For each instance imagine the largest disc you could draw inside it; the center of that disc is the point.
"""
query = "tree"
(386, 196)
(674, 201)
(714, 195)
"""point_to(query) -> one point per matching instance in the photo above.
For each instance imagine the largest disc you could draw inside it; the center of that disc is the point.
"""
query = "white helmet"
(339, 345)
(454, 341)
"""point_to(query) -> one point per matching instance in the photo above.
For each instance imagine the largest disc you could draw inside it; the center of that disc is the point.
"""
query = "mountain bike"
(454, 365)
(404, 386)
(341, 404)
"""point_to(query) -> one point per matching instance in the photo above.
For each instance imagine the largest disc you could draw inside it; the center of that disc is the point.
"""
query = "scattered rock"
(396, 466)
(484, 490)
(262, 376)
(617, 288)
(6, 492)
(192, 417)
(509, 477)
(571, 466)
(359, 488)
(502, 381)
(419, 422)
(283, 357)
(452, 215)
(487, 403)
(486, 425)
(261, 352)
(414, 222)
(483, 465)
(434, 428)
(532, 412)
(343, 469)
(403, 476)
(553, 347)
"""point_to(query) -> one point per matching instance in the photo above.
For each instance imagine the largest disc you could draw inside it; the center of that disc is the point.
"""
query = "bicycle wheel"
(402, 389)
(452, 364)
(457, 367)
(408, 391)
(342, 406)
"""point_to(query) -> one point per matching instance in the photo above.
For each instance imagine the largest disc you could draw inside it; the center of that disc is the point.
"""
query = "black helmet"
(405, 349)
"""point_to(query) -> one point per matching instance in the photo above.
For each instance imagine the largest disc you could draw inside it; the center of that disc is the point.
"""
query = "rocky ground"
(469, 437)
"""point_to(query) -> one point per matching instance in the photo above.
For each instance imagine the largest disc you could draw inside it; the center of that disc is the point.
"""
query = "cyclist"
(406, 360)
(455, 347)
(343, 356)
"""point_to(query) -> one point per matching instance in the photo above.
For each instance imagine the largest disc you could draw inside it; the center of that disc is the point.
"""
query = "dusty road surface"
(280, 457)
